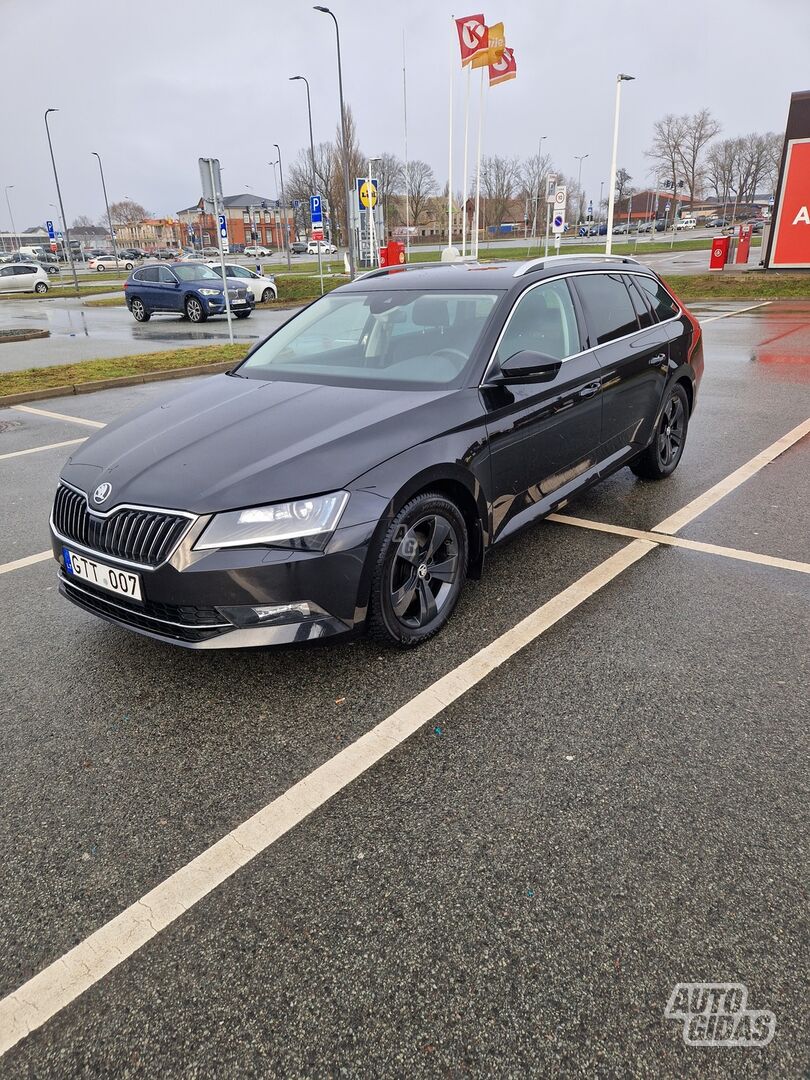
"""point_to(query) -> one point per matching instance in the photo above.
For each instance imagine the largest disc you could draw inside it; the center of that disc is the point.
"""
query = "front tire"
(420, 568)
(661, 457)
(138, 309)
(267, 296)
(195, 311)
(41, 287)
(101, 269)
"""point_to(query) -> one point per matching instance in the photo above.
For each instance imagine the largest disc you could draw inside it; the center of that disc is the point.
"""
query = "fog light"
(283, 611)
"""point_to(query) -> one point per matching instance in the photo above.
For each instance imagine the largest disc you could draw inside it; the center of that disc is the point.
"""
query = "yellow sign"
(368, 195)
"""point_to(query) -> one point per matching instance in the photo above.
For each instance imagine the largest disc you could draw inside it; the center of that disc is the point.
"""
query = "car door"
(171, 297)
(632, 351)
(147, 287)
(25, 278)
(543, 432)
(8, 279)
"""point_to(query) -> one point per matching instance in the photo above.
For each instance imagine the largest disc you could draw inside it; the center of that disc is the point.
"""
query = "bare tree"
(669, 136)
(696, 131)
(420, 186)
(531, 183)
(390, 174)
(128, 212)
(499, 181)
(722, 168)
(299, 184)
(358, 166)
(623, 188)
(84, 222)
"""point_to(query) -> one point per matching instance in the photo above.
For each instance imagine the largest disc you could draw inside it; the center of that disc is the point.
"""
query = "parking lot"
(495, 855)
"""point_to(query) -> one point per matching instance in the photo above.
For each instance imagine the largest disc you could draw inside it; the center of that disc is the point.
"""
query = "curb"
(111, 384)
(27, 335)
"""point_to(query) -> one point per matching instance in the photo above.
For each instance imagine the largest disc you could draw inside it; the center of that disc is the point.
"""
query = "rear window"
(607, 306)
(662, 303)
(645, 317)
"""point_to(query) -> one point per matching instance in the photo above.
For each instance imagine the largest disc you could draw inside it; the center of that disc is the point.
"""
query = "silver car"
(23, 277)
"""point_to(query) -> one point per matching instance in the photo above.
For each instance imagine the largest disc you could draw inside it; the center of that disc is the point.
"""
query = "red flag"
(473, 37)
(503, 69)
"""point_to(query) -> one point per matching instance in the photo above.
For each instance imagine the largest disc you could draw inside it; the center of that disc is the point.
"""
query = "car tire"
(129, 266)
(101, 269)
(41, 287)
(268, 295)
(195, 310)
(138, 309)
(661, 457)
(410, 602)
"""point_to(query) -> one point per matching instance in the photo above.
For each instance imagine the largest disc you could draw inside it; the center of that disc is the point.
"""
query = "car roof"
(488, 275)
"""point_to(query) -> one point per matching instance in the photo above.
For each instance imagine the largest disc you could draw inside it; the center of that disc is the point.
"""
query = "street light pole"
(305, 81)
(107, 205)
(15, 240)
(612, 178)
(349, 233)
(61, 205)
(283, 206)
(580, 158)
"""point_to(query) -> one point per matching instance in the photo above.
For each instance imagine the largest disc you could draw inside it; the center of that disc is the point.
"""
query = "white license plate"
(238, 301)
(111, 578)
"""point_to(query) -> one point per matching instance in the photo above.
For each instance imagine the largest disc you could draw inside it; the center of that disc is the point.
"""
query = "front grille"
(142, 536)
(237, 294)
(180, 623)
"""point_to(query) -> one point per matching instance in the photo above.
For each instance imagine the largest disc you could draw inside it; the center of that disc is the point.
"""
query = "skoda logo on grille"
(102, 492)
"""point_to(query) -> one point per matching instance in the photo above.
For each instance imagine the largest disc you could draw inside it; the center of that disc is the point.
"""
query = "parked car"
(298, 247)
(262, 286)
(23, 277)
(108, 262)
(351, 473)
(192, 290)
(686, 223)
(50, 267)
(660, 224)
(257, 251)
(326, 247)
(717, 223)
(621, 228)
(131, 253)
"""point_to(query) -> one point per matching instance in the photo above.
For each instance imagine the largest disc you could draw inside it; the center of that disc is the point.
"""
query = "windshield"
(194, 272)
(397, 339)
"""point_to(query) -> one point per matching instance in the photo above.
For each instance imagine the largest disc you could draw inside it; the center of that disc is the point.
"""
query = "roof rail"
(553, 260)
(381, 271)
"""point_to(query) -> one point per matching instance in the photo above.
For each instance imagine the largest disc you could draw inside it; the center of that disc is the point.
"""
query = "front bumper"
(207, 599)
(216, 305)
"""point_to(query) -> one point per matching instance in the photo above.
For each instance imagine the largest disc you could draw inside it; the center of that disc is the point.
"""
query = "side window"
(543, 321)
(644, 314)
(23, 269)
(166, 276)
(607, 306)
(7, 271)
(662, 303)
(149, 273)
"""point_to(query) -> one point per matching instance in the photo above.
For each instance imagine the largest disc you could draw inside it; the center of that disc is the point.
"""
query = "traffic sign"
(58, 236)
(49, 225)
(296, 204)
(560, 197)
(317, 234)
(558, 222)
(223, 226)
(315, 210)
(551, 183)
(367, 193)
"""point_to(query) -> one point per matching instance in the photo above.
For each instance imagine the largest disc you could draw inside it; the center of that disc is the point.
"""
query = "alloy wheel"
(671, 431)
(424, 570)
(194, 310)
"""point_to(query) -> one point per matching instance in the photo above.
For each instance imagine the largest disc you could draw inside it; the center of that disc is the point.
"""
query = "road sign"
(49, 225)
(560, 197)
(315, 210)
(551, 183)
(211, 192)
(558, 222)
(367, 193)
(58, 236)
(296, 204)
(223, 226)
(317, 234)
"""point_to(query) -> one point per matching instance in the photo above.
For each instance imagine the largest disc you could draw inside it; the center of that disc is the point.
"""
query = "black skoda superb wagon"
(353, 470)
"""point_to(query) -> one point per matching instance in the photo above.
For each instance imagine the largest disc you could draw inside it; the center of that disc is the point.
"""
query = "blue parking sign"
(315, 209)
(51, 233)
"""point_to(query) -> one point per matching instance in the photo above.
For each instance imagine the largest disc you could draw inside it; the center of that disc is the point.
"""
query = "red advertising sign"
(472, 37)
(317, 234)
(791, 243)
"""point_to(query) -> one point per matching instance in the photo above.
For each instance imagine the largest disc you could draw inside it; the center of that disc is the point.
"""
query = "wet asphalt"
(516, 889)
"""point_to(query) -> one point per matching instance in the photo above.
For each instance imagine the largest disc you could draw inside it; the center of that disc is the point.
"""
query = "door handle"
(656, 361)
(590, 389)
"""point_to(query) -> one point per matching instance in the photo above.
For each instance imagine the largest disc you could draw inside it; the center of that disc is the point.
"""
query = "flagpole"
(450, 139)
(464, 188)
(407, 179)
(474, 238)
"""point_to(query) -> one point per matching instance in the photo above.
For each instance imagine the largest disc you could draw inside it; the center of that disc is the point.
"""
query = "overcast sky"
(154, 84)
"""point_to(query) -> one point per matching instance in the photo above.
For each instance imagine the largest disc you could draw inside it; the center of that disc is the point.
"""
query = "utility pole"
(283, 207)
(61, 205)
(109, 219)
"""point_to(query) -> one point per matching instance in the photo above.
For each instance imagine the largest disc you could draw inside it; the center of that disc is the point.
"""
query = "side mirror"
(528, 365)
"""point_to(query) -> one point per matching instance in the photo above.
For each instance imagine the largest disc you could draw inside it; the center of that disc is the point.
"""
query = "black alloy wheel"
(661, 457)
(420, 570)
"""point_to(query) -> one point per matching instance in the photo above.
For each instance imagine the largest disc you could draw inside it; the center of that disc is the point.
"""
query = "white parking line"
(57, 985)
(37, 449)
(737, 311)
(678, 541)
(58, 416)
(28, 560)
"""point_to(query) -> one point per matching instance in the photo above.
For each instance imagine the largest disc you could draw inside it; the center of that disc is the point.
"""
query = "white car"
(263, 286)
(686, 223)
(23, 277)
(257, 251)
(107, 262)
(326, 247)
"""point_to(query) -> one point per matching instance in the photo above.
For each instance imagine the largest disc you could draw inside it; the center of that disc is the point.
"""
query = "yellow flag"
(495, 44)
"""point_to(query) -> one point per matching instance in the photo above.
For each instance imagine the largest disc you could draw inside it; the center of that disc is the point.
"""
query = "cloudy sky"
(154, 84)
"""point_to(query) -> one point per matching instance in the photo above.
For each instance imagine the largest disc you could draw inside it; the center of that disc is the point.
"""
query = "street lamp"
(612, 181)
(601, 189)
(305, 81)
(286, 225)
(61, 205)
(107, 205)
(11, 216)
(580, 158)
(349, 236)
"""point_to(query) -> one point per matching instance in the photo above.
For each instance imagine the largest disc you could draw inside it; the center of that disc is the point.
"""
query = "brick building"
(243, 213)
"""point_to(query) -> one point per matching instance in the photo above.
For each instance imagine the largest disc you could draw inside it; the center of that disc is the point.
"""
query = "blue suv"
(192, 290)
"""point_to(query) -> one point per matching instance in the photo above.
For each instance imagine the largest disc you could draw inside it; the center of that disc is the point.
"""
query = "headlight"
(306, 523)
(210, 292)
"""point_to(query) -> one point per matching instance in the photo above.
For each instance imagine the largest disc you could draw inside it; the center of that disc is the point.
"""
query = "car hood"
(230, 442)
